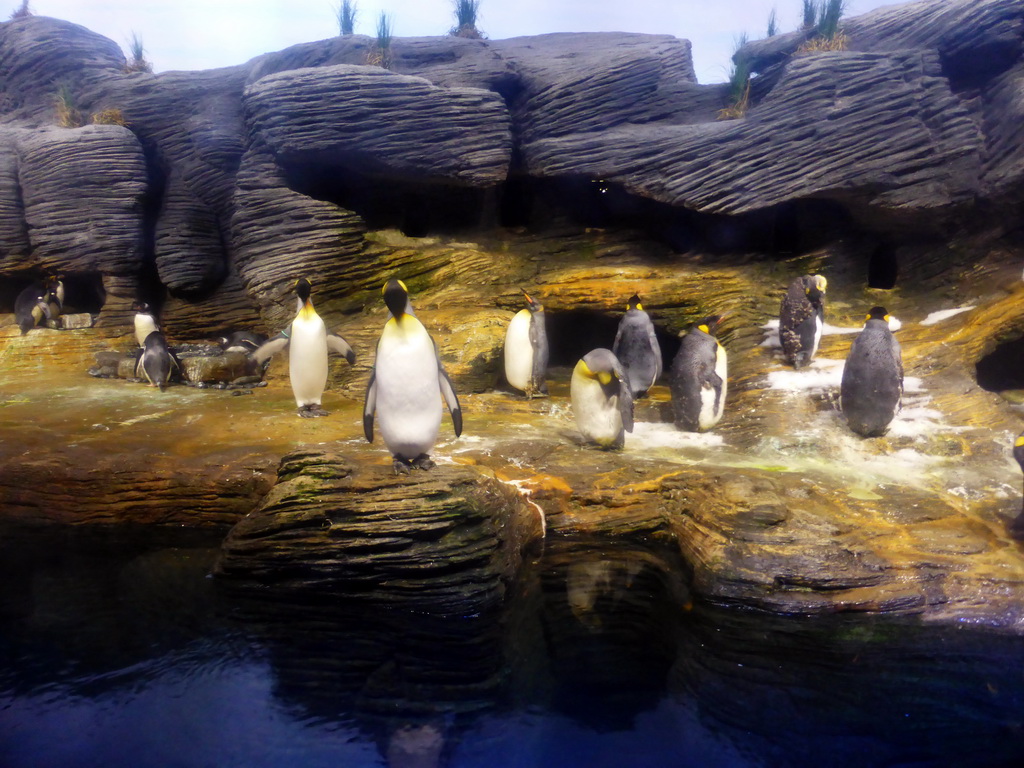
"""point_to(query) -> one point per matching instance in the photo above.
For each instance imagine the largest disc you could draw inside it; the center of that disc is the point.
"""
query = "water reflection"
(120, 651)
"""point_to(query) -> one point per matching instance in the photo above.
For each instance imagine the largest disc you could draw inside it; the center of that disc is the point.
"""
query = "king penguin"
(308, 343)
(526, 350)
(156, 361)
(32, 306)
(601, 399)
(872, 384)
(801, 318)
(637, 349)
(699, 378)
(407, 385)
(145, 323)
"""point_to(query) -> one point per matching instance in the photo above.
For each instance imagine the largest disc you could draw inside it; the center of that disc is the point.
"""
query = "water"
(120, 651)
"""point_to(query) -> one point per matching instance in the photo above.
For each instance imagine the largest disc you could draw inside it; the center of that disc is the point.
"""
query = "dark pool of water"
(115, 651)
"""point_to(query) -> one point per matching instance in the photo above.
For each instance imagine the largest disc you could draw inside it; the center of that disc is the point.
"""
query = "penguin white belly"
(519, 351)
(817, 337)
(712, 401)
(597, 416)
(307, 360)
(408, 394)
(144, 325)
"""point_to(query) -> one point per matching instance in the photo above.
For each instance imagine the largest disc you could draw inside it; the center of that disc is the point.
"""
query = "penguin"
(241, 341)
(308, 342)
(801, 317)
(699, 378)
(32, 306)
(145, 322)
(872, 384)
(407, 385)
(55, 299)
(637, 349)
(526, 350)
(156, 362)
(1017, 524)
(601, 399)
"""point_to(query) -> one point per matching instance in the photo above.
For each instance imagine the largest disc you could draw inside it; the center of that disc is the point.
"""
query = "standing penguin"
(699, 378)
(601, 399)
(872, 384)
(308, 343)
(145, 323)
(637, 349)
(406, 386)
(156, 361)
(801, 318)
(55, 297)
(32, 306)
(526, 350)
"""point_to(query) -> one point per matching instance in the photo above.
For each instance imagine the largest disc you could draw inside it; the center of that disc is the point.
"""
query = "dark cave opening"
(83, 292)
(883, 268)
(417, 210)
(1003, 368)
(574, 333)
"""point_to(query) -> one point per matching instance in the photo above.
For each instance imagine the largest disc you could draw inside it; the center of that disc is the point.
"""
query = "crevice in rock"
(883, 268)
(1003, 367)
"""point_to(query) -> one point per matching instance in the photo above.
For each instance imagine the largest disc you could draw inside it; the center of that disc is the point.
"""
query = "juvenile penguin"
(526, 350)
(241, 341)
(407, 385)
(637, 349)
(801, 318)
(156, 362)
(699, 378)
(308, 343)
(32, 306)
(872, 384)
(145, 323)
(601, 399)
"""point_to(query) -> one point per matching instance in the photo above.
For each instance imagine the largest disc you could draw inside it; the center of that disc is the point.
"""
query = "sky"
(203, 34)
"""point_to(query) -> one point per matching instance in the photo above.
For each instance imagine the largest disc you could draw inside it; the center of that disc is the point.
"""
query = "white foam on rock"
(945, 314)
(649, 435)
(820, 375)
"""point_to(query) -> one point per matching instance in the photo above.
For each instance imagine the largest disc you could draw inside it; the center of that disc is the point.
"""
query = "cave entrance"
(883, 268)
(1003, 368)
(574, 333)
(83, 292)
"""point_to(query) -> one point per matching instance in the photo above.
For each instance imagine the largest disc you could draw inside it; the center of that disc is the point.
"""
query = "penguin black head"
(531, 304)
(396, 295)
(709, 324)
(141, 306)
(815, 286)
(303, 289)
(1018, 450)
(634, 302)
(878, 313)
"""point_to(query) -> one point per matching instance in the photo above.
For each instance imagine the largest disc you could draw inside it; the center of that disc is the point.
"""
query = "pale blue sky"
(201, 34)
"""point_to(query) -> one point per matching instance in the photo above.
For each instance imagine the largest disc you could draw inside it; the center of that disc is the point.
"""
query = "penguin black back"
(636, 348)
(698, 378)
(872, 384)
(156, 362)
(32, 306)
(801, 318)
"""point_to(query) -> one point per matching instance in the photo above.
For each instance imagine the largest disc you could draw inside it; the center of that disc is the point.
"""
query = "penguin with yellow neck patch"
(1017, 524)
(637, 349)
(602, 402)
(407, 385)
(699, 378)
(308, 343)
(872, 384)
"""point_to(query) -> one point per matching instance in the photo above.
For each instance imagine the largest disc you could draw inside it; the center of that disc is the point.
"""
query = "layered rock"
(444, 541)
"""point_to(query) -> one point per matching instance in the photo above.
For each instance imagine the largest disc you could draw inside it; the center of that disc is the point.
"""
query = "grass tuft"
(68, 115)
(739, 84)
(827, 34)
(347, 17)
(466, 13)
(109, 117)
(809, 14)
(380, 55)
(137, 62)
(773, 24)
(22, 11)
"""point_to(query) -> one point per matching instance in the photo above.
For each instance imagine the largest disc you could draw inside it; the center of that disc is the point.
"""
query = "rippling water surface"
(120, 651)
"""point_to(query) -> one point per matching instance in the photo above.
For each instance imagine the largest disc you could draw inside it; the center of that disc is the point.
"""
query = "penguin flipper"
(269, 348)
(369, 406)
(337, 344)
(625, 398)
(448, 391)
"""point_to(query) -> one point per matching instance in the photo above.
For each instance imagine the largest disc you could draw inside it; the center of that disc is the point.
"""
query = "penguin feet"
(403, 466)
(423, 461)
(312, 411)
